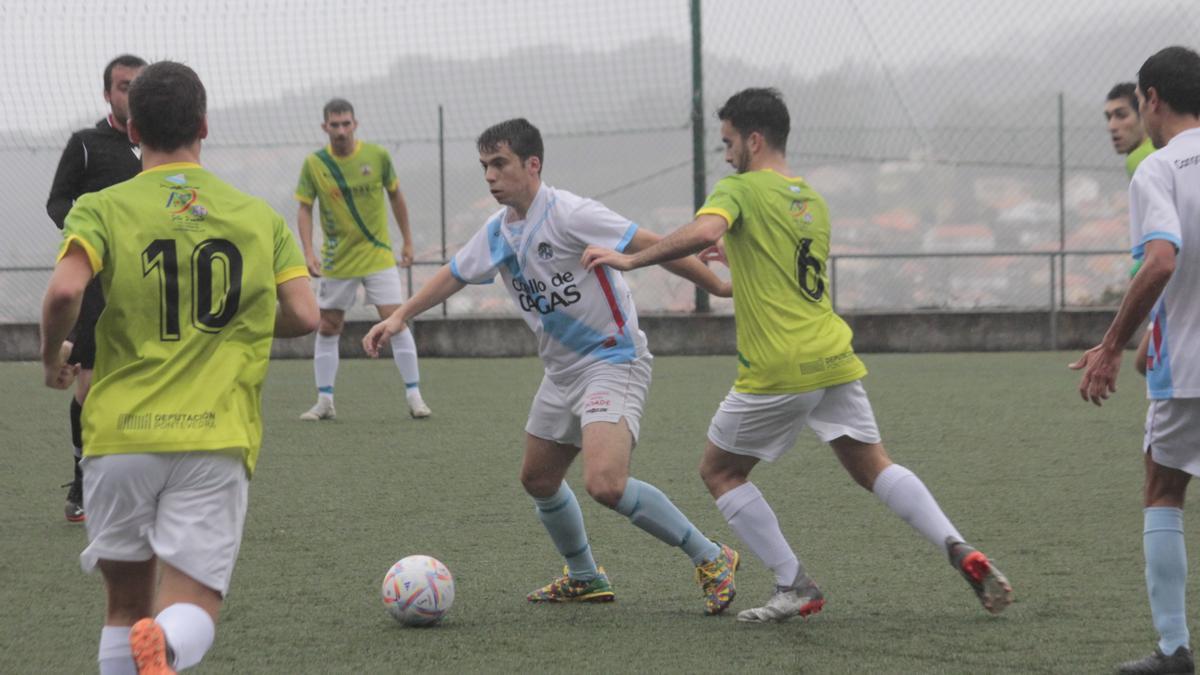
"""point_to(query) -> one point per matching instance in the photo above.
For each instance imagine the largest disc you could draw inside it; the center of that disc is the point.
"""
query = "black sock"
(76, 426)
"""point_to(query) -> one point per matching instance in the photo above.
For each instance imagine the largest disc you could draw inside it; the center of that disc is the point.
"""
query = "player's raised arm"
(706, 230)
(434, 292)
(689, 267)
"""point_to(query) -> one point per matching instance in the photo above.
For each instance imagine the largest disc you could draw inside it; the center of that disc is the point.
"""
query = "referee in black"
(94, 159)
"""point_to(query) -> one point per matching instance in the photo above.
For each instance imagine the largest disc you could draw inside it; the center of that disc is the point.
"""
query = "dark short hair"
(522, 138)
(1175, 74)
(338, 105)
(761, 110)
(167, 104)
(126, 60)
(1127, 91)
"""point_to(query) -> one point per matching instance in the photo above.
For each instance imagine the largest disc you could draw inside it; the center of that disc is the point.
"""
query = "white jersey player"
(597, 366)
(579, 317)
(1164, 215)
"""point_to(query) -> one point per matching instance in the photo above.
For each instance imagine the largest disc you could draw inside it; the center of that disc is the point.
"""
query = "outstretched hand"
(380, 333)
(1100, 367)
(598, 255)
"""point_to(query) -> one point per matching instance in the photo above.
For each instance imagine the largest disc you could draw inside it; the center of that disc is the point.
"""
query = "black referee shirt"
(94, 159)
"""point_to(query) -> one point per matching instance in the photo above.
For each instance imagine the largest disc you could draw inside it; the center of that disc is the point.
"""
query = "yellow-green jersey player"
(789, 339)
(198, 278)
(349, 190)
(349, 180)
(189, 375)
(1125, 125)
(796, 365)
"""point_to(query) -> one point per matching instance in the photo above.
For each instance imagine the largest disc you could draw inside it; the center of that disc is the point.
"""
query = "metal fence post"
(1053, 303)
(698, 180)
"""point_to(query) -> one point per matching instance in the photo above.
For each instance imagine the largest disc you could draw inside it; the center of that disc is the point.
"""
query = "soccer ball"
(418, 590)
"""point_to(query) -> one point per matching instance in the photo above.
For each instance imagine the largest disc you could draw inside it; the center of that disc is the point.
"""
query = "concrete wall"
(706, 334)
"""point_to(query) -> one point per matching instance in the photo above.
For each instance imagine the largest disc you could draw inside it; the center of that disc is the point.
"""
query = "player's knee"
(537, 484)
(606, 488)
(711, 478)
(718, 478)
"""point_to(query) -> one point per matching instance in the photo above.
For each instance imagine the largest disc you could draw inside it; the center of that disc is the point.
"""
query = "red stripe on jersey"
(1156, 340)
(602, 276)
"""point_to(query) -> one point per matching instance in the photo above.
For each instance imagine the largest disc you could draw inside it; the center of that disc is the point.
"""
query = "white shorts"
(766, 426)
(1173, 433)
(604, 392)
(383, 288)
(187, 508)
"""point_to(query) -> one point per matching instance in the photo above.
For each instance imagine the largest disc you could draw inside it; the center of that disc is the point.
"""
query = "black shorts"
(84, 332)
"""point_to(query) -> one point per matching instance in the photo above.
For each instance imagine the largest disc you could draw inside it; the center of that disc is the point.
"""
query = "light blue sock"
(1166, 575)
(563, 519)
(648, 508)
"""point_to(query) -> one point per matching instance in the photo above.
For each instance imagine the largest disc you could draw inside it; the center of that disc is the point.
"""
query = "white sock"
(752, 520)
(908, 498)
(325, 363)
(404, 353)
(115, 656)
(189, 631)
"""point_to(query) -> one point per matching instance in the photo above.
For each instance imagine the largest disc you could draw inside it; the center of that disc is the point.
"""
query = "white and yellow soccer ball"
(418, 590)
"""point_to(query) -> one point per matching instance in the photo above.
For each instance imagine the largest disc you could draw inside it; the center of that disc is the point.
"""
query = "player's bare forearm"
(441, 286)
(698, 273)
(434, 292)
(60, 306)
(59, 313)
(304, 227)
(297, 313)
(692, 238)
(1102, 363)
(400, 211)
(1143, 292)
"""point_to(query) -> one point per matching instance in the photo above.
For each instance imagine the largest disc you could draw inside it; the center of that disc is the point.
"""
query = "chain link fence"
(931, 127)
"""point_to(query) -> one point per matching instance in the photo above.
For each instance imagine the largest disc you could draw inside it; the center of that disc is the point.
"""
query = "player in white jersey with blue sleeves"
(1164, 224)
(597, 366)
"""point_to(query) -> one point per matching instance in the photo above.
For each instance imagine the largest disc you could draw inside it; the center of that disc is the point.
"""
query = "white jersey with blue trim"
(579, 317)
(1164, 203)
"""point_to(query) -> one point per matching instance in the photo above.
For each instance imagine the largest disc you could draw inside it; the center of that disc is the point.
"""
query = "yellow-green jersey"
(189, 266)
(1132, 160)
(789, 339)
(350, 191)
(1139, 153)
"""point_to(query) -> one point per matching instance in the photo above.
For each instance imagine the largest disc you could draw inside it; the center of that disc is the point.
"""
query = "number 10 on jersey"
(215, 269)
